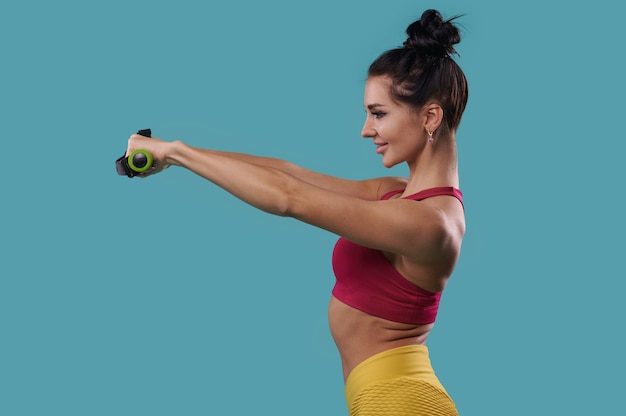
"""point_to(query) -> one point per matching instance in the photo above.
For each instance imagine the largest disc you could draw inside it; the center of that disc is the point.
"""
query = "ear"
(433, 116)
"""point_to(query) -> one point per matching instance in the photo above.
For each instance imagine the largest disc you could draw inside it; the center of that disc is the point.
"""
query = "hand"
(157, 147)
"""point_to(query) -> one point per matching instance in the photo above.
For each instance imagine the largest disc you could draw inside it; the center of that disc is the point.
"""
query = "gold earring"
(430, 137)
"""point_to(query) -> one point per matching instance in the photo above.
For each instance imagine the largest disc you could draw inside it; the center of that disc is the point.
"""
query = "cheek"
(395, 133)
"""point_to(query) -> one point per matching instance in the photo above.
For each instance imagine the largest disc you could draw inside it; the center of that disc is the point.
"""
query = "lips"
(381, 147)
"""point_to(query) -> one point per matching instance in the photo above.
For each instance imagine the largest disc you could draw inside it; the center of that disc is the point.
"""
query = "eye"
(378, 114)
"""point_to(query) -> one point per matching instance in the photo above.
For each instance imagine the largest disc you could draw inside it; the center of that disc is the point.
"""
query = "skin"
(422, 240)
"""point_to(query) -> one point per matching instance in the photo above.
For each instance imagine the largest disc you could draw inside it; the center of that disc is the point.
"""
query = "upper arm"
(367, 189)
(416, 230)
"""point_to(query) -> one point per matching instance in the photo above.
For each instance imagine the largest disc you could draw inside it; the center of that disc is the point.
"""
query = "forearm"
(269, 162)
(359, 189)
(256, 180)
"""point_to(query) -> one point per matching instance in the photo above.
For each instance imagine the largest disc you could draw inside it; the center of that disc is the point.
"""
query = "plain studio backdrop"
(168, 296)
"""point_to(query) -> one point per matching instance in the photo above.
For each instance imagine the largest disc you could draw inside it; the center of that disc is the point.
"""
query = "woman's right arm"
(415, 231)
(367, 189)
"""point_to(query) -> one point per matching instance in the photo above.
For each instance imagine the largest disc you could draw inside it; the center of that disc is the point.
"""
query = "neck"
(435, 166)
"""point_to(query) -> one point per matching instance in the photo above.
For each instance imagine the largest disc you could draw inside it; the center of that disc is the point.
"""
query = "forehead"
(377, 91)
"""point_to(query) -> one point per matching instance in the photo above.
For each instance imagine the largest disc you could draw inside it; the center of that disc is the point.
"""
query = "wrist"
(174, 153)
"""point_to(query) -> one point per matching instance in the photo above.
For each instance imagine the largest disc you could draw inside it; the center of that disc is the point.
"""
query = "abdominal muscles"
(359, 335)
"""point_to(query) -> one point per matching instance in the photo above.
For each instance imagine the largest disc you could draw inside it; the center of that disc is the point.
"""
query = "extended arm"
(401, 226)
(368, 189)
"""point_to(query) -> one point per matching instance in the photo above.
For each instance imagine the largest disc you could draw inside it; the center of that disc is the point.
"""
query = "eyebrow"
(373, 106)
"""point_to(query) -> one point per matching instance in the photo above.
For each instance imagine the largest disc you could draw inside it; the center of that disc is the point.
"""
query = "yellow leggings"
(397, 382)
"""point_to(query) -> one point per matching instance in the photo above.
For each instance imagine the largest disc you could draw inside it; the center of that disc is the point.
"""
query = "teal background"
(168, 296)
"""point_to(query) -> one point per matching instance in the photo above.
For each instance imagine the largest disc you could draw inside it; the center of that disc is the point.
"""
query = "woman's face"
(398, 130)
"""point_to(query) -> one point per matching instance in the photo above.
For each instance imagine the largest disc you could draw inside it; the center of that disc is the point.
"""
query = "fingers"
(132, 140)
(156, 168)
(157, 148)
(144, 156)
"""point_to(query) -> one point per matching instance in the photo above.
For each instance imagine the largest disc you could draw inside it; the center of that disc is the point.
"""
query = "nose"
(368, 129)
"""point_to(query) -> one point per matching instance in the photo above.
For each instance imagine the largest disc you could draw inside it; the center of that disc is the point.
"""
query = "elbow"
(283, 204)
(290, 197)
(283, 207)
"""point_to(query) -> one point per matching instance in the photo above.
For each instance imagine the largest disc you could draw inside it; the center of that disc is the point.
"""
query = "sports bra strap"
(428, 193)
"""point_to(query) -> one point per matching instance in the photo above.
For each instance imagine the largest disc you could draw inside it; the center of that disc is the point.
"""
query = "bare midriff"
(359, 335)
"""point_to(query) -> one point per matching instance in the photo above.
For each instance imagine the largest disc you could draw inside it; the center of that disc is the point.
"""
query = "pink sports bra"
(367, 281)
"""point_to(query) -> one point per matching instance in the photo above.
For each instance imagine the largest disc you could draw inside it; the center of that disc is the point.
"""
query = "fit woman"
(400, 238)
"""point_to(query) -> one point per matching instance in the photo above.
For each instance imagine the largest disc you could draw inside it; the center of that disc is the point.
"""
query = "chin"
(389, 163)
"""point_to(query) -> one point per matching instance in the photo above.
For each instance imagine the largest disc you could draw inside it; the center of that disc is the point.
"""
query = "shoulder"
(437, 243)
(389, 184)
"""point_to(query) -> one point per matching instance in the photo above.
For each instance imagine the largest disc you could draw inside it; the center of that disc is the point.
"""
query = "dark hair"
(423, 70)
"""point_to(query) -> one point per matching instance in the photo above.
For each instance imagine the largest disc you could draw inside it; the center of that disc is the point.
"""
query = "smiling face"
(397, 129)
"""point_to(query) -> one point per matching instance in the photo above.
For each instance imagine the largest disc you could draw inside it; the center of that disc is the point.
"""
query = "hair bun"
(433, 36)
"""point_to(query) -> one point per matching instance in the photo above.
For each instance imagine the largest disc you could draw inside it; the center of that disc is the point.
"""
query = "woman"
(400, 238)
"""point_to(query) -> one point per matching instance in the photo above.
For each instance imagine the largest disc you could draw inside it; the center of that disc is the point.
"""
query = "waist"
(359, 335)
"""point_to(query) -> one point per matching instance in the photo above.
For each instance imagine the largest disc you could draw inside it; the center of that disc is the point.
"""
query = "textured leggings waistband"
(409, 362)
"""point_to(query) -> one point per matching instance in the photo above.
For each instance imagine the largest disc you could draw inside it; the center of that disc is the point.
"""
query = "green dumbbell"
(140, 160)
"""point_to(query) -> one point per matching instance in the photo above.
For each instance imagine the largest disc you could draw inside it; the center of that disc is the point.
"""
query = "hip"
(399, 381)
